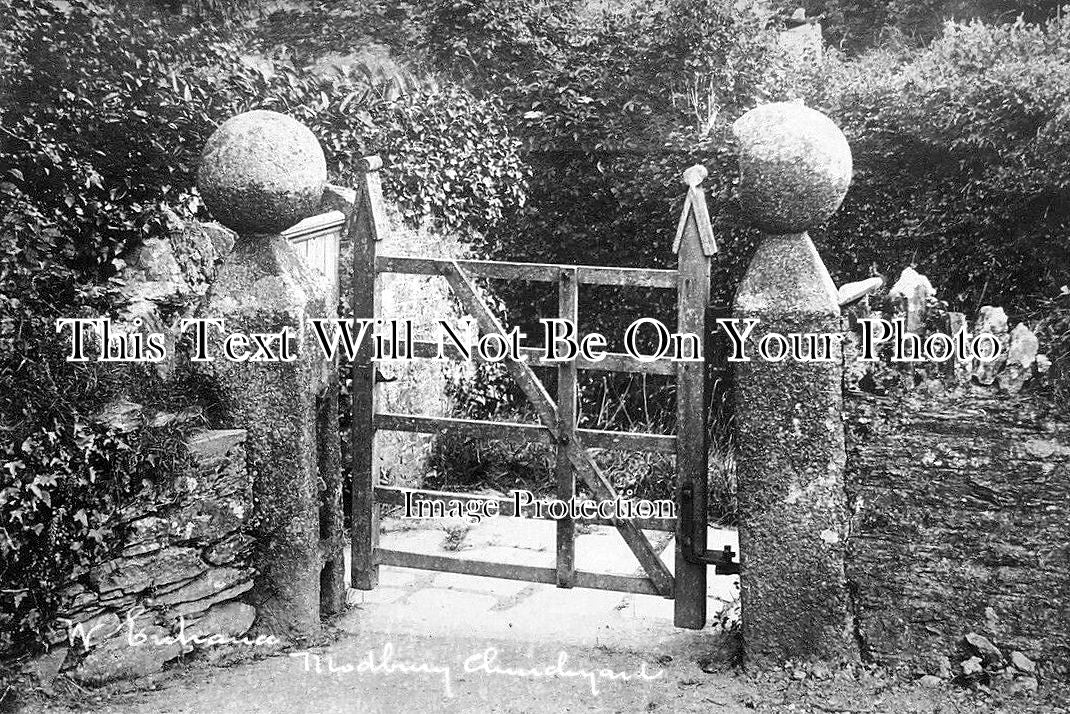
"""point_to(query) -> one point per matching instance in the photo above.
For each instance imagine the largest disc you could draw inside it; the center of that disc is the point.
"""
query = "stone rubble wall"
(958, 480)
(168, 276)
(913, 300)
(959, 526)
(184, 565)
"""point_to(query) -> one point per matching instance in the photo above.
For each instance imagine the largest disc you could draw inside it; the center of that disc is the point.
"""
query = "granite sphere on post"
(262, 172)
(795, 164)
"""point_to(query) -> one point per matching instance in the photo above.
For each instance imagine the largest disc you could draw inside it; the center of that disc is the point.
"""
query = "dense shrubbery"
(451, 158)
(960, 148)
(612, 108)
(493, 42)
(962, 160)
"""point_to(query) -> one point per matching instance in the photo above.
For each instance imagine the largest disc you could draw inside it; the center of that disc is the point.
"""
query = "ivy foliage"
(103, 114)
(451, 157)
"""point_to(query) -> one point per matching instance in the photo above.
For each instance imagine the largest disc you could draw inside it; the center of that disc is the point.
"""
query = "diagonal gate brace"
(577, 455)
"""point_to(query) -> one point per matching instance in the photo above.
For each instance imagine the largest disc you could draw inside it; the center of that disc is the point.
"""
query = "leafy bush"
(451, 158)
(115, 108)
(491, 42)
(611, 109)
(960, 147)
(961, 163)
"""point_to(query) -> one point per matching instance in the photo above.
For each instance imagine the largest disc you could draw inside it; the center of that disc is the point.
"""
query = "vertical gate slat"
(364, 234)
(567, 400)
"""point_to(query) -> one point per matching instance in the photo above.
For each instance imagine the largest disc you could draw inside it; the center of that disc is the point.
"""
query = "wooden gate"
(694, 245)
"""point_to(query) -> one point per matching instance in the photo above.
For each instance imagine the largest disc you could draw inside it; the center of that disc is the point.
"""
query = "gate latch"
(723, 561)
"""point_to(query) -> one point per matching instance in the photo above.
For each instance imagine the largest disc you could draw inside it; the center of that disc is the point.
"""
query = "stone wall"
(960, 525)
(958, 480)
(182, 581)
(196, 549)
(181, 570)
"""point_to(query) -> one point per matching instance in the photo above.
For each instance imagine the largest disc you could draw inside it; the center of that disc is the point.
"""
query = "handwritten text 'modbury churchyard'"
(646, 340)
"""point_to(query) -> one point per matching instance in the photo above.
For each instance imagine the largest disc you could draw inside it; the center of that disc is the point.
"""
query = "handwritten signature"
(486, 661)
(136, 635)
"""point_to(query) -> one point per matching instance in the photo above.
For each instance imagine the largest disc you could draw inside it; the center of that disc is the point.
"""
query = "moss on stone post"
(796, 167)
(260, 173)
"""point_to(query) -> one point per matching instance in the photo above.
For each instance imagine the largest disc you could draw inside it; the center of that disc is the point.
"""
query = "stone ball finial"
(795, 164)
(262, 172)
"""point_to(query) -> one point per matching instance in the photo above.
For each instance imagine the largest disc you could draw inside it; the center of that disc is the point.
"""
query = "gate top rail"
(541, 272)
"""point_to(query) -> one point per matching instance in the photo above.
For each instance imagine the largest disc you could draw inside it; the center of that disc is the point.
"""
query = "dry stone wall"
(176, 580)
(182, 571)
(959, 526)
(958, 481)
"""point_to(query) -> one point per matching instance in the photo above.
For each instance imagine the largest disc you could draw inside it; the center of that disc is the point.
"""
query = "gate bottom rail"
(507, 571)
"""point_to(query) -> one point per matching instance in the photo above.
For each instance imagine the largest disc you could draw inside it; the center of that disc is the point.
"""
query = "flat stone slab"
(456, 605)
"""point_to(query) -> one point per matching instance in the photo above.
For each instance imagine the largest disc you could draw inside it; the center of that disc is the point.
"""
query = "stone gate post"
(796, 167)
(260, 173)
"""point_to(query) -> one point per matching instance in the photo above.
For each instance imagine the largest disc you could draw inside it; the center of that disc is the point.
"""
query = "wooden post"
(694, 245)
(363, 230)
(567, 398)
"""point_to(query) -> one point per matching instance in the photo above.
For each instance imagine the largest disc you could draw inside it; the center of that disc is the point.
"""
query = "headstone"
(913, 291)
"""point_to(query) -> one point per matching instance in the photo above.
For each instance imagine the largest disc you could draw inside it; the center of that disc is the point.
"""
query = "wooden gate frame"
(694, 246)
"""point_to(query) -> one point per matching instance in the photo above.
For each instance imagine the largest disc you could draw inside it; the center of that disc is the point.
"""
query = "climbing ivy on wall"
(104, 111)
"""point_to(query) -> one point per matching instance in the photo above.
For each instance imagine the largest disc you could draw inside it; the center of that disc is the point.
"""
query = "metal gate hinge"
(379, 376)
(723, 561)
